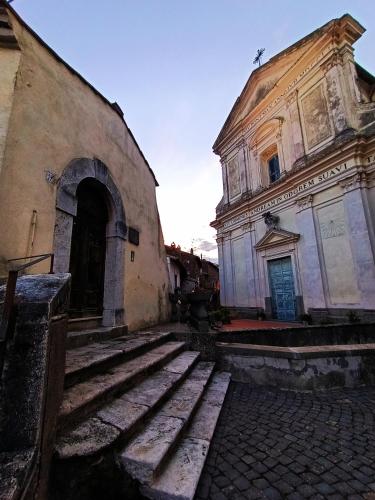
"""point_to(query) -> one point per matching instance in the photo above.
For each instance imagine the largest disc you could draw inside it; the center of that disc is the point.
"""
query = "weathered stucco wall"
(55, 118)
(9, 65)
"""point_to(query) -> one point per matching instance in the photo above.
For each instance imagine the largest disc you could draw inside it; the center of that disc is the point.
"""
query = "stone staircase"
(148, 400)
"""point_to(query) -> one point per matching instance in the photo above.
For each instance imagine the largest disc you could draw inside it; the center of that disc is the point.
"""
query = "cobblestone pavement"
(271, 443)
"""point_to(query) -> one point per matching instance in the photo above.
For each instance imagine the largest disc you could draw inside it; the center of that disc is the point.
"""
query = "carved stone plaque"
(332, 228)
(316, 118)
(233, 178)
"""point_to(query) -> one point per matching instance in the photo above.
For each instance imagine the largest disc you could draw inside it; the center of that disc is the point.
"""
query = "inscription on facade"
(300, 188)
(239, 218)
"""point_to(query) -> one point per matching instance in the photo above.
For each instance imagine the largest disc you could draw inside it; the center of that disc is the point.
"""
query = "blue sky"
(176, 68)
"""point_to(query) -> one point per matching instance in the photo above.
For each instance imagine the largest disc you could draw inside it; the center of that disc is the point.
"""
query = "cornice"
(327, 158)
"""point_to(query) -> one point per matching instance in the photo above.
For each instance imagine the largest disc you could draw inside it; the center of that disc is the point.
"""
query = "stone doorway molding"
(66, 209)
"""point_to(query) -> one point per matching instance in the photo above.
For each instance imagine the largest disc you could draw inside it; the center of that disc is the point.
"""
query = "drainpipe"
(30, 245)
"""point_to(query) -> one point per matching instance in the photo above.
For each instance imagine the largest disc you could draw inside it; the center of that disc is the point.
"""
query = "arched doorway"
(83, 181)
(88, 250)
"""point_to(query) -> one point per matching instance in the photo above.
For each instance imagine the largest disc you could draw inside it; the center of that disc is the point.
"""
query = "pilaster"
(247, 230)
(332, 69)
(228, 270)
(224, 174)
(312, 282)
(360, 234)
(296, 145)
(220, 247)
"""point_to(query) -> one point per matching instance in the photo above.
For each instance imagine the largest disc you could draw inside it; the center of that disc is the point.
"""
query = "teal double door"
(282, 289)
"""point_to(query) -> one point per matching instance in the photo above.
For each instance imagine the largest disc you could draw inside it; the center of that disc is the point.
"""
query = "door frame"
(66, 208)
(279, 252)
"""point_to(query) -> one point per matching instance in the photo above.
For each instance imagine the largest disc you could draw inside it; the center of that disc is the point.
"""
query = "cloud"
(205, 245)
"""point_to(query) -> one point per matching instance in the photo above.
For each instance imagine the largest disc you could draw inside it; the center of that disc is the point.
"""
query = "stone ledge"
(306, 352)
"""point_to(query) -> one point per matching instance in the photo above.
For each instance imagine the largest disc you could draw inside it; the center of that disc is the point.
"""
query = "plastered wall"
(55, 117)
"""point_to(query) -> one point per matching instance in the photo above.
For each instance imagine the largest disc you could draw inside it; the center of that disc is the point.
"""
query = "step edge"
(112, 359)
(128, 433)
(157, 494)
(65, 420)
(173, 445)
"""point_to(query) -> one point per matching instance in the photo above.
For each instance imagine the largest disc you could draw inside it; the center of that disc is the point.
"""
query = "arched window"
(273, 168)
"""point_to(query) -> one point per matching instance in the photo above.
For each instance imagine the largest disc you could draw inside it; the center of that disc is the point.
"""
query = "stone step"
(85, 397)
(180, 477)
(124, 415)
(84, 323)
(81, 338)
(146, 453)
(82, 362)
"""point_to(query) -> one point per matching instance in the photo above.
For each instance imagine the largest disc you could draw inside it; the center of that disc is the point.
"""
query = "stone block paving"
(275, 444)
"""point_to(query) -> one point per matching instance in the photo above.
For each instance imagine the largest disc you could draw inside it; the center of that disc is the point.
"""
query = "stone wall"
(32, 383)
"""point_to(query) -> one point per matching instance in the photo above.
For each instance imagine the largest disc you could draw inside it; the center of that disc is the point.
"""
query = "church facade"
(295, 226)
(75, 183)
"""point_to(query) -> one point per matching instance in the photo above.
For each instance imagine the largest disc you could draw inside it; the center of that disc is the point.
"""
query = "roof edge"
(302, 41)
(114, 106)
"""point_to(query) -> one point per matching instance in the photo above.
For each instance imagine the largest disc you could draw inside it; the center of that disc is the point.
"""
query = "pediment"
(275, 74)
(276, 237)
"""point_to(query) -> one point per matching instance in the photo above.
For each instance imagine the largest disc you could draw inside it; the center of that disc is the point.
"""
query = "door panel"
(282, 289)
(87, 259)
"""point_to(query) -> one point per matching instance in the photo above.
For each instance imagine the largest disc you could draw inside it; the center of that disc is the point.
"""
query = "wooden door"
(282, 289)
(87, 260)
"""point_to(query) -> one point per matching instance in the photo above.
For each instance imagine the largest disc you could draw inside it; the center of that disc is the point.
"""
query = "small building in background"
(188, 271)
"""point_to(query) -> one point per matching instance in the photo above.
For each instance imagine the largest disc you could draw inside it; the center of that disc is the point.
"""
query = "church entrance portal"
(282, 289)
(88, 250)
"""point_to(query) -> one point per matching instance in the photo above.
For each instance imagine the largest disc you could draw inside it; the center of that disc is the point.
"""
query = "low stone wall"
(358, 333)
(32, 384)
(324, 370)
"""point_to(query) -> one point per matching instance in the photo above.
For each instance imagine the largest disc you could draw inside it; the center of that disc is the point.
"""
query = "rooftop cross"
(258, 56)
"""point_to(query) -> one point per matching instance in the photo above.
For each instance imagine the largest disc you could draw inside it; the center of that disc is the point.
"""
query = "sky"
(176, 67)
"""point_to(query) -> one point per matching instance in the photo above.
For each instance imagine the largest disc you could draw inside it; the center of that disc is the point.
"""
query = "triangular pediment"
(276, 237)
(275, 74)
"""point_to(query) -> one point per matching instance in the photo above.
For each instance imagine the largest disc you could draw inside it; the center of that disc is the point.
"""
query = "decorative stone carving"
(316, 117)
(332, 229)
(246, 227)
(334, 60)
(354, 182)
(304, 202)
(270, 220)
(234, 181)
(51, 177)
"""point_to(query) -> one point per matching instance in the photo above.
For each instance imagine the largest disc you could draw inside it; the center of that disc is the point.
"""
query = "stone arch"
(66, 209)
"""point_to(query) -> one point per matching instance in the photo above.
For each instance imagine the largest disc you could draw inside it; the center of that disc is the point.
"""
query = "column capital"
(335, 59)
(356, 181)
(304, 202)
(246, 227)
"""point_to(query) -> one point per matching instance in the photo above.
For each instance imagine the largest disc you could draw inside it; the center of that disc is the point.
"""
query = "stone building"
(188, 271)
(295, 226)
(74, 182)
